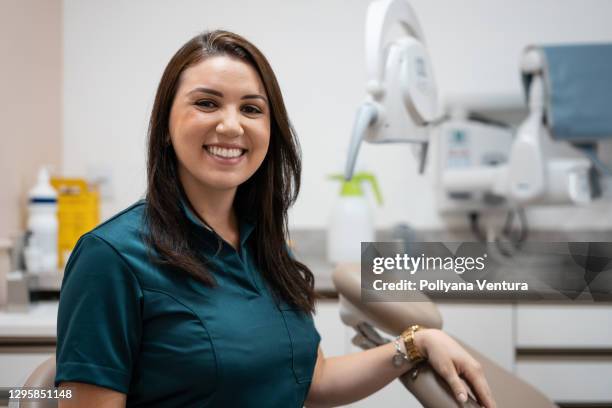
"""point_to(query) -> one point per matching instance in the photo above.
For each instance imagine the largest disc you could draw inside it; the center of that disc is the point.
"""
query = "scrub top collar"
(246, 224)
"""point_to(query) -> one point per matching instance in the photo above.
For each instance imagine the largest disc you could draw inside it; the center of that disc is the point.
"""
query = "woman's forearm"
(345, 379)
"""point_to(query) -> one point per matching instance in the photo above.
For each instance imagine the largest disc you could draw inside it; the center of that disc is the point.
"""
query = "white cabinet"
(334, 335)
(486, 327)
(569, 379)
(550, 326)
(26, 340)
(566, 351)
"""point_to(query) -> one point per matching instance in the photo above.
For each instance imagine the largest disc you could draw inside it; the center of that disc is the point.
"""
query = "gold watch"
(413, 352)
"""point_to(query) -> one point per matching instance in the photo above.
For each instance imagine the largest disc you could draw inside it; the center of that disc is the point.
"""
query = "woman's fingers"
(449, 373)
(478, 382)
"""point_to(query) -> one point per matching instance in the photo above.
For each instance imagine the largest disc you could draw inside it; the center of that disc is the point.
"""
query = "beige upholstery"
(393, 317)
(42, 377)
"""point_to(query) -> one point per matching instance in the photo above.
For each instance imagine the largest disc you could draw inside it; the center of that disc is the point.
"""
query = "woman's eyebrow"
(255, 96)
(220, 94)
(206, 90)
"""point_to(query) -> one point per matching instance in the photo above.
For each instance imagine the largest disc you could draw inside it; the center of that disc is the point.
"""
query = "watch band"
(414, 354)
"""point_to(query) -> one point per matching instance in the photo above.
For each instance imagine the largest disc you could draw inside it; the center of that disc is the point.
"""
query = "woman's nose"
(229, 125)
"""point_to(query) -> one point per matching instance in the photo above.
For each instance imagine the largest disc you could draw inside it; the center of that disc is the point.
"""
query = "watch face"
(398, 360)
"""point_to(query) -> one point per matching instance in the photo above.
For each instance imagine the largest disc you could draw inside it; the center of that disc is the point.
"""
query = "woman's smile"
(225, 155)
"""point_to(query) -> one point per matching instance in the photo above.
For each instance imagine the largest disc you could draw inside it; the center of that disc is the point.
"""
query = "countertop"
(39, 321)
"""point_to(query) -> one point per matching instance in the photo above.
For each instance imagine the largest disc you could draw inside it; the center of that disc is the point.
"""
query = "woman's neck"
(215, 207)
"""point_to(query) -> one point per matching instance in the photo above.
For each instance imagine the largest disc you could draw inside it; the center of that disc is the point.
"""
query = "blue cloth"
(578, 81)
(167, 340)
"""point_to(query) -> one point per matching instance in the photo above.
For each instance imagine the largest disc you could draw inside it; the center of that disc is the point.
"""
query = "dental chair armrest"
(391, 317)
(431, 390)
(508, 390)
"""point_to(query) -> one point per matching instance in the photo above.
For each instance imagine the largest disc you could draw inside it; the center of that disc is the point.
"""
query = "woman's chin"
(222, 183)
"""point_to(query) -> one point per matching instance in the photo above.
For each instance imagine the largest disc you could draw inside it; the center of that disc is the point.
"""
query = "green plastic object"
(352, 187)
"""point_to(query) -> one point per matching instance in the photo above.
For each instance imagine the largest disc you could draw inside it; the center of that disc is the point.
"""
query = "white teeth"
(224, 152)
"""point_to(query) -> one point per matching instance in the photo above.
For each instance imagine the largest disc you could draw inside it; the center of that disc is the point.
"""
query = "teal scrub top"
(167, 340)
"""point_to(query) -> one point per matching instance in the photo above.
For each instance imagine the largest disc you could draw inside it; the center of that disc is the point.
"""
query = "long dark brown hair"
(266, 196)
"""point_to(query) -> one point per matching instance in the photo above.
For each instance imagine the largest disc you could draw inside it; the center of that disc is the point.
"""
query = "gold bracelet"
(414, 354)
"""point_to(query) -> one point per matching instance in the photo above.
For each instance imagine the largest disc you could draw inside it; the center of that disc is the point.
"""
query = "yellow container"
(78, 211)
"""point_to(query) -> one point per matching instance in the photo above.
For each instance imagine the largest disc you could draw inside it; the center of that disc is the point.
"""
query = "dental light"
(402, 94)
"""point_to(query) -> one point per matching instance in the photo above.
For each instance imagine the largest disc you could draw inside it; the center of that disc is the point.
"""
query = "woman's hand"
(451, 361)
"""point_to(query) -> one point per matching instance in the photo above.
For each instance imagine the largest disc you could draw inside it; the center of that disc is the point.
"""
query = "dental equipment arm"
(533, 173)
(402, 99)
(539, 170)
(366, 117)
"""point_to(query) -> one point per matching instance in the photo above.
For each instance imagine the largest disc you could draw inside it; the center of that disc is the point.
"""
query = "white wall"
(115, 52)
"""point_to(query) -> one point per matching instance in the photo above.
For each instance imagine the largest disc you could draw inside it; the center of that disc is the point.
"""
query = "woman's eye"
(251, 109)
(205, 103)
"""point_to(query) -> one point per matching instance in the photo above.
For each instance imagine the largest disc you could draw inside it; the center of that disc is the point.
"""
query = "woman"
(191, 297)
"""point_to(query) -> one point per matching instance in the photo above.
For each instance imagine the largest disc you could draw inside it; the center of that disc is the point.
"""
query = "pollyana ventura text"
(440, 286)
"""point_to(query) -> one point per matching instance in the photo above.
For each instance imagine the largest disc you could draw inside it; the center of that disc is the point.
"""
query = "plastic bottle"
(41, 250)
(352, 221)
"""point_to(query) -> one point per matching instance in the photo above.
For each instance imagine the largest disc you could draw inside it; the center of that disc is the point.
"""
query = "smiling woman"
(196, 282)
(190, 298)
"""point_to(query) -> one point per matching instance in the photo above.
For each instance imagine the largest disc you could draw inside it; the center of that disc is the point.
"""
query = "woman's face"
(219, 124)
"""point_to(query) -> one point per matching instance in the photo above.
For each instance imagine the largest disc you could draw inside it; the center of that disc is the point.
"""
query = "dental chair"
(43, 378)
(394, 317)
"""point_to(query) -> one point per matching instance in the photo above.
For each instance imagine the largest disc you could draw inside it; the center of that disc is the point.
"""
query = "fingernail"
(462, 397)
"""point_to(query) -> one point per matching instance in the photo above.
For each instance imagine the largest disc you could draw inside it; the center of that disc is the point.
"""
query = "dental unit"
(547, 161)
